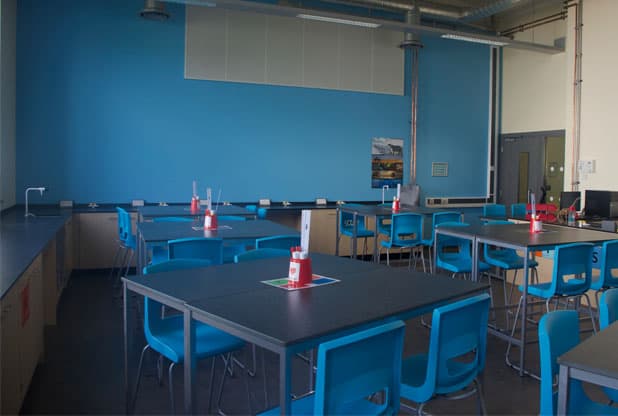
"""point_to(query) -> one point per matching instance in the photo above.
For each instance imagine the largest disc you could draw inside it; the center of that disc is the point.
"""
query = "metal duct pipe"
(154, 10)
(577, 94)
(489, 10)
(412, 41)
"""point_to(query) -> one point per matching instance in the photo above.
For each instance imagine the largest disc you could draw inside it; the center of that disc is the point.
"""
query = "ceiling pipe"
(279, 10)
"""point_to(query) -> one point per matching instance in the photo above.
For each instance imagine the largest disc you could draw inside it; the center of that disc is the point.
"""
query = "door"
(531, 162)
(521, 163)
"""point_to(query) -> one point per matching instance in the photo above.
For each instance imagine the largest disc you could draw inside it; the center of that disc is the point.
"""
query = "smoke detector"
(154, 10)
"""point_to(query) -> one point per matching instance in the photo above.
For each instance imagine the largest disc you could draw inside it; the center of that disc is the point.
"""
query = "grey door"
(521, 168)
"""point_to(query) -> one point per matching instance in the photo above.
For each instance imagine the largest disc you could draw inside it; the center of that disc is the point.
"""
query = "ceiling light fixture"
(338, 20)
(474, 39)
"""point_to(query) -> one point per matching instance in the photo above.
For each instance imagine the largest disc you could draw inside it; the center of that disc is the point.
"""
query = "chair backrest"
(458, 330)
(251, 208)
(406, 229)
(572, 260)
(608, 308)
(558, 333)
(124, 224)
(346, 219)
(197, 248)
(261, 253)
(172, 219)
(152, 309)
(283, 242)
(261, 213)
(518, 210)
(355, 366)
(440, 218)
(231, 218)
(608, 263)
(463, 246)
(494, 210)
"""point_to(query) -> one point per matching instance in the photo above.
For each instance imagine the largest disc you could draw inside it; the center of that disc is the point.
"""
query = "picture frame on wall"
(386, 162)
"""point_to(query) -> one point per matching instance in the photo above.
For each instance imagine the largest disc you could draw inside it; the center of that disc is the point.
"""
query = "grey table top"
(519, 234)
(205, 283)
(21, 240)
(369, 295)
(228, 230)
(597, 354)
(185, 211)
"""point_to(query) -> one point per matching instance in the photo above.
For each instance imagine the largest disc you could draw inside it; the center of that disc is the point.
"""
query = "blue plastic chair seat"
(543, 290)
(130, 242)
(457, 264)
(168, 339)
(360, 232)
(414, 373)
(401, 243)
(507, 259)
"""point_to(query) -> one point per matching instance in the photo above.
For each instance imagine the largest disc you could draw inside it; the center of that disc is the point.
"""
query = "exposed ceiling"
(457, 18)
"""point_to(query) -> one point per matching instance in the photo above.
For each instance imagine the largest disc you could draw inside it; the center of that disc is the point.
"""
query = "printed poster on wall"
(386, 162)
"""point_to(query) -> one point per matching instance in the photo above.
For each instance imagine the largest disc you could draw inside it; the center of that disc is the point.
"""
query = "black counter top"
(21, 240)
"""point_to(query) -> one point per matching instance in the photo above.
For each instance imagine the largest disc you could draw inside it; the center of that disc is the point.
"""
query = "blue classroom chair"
(353, 367)
(261, 253)
(197, 248)
(160, 253)
(438, 218)
(454, 254)
(518, 210)
(494, 210)
(406, 232)
(608, 265)
(346, 227)
(456, 355)
(283, 242)
(165, 335)
(127, 244)
(558, 333)
(608, 313)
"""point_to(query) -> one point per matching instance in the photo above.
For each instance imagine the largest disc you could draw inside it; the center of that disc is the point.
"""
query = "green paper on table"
(284, 283)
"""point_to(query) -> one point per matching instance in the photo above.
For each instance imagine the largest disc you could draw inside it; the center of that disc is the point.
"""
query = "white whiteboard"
(227, 45)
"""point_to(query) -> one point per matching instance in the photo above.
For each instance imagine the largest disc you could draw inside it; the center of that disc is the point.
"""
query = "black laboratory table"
(594, 361)
(162, 232)
(185, 211)
(519, 237)
(232, 298)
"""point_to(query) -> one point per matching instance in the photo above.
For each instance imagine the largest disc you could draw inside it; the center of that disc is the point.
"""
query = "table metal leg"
(563, 390)
(189, 365)
(475, 260)
(285, 383)
(524, 315)
(338, 213)
(376, 257)
(435, 250)
(354, 233)
(125, 334)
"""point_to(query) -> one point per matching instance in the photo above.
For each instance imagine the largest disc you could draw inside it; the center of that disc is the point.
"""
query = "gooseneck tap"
(384, 188)
(41, 189)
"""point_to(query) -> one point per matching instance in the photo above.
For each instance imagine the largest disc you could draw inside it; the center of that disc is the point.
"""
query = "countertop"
(22, 239)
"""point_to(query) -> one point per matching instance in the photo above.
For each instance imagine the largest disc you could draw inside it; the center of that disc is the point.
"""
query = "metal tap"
(41, 189)
(384, 188)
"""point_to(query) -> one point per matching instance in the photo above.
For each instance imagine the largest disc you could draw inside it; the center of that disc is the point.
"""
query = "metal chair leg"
(211, 387)
(481, 399)
(137, 381)
(171, 387)
(594, 326)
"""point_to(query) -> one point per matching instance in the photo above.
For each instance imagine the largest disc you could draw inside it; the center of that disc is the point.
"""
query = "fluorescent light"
(475, 40)
(337, 20)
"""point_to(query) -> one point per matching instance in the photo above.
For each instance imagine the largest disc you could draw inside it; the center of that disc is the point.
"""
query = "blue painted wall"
(104, 114)
(453, 117)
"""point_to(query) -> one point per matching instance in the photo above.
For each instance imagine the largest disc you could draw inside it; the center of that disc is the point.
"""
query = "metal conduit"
(412, 42)
(577, 94)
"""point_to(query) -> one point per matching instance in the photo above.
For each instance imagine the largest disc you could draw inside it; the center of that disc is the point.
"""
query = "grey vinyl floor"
(82, 370)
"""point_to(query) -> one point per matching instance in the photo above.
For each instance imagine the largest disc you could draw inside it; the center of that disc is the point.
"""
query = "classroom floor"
(82, 372)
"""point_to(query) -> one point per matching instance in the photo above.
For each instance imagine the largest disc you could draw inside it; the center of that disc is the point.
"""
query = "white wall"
(599, 94)
(533, 84)
(7, 103)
